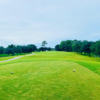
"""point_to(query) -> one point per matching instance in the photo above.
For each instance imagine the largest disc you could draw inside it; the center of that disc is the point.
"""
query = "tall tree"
(44, 43)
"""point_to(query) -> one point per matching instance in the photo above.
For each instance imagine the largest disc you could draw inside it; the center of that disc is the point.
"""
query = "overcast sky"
(32, 21)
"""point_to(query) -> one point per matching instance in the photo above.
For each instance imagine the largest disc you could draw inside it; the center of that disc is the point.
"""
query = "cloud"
(32, 21)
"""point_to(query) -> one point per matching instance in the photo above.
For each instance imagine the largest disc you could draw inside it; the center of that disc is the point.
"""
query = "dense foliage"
(19, 49)
(82, 47)
(13, 49)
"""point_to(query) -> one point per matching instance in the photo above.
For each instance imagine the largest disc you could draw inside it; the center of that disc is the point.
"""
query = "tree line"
(19, 49)
(83, 47)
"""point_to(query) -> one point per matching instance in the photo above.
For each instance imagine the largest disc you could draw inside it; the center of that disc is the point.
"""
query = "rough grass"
(50, 76)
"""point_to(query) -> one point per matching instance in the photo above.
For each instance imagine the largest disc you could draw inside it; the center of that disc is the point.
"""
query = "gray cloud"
(32, 21)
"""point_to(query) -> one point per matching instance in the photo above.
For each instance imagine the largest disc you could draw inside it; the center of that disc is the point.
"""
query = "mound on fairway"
(51, 76)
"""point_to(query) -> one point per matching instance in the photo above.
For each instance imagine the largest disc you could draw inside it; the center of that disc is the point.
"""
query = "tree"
(42, 49)
(97, 48)
(86, 47)
(24, 49)
(49, 49)
(11, 49)
(57, 47)
(82, 47)
(66, 45)
(44, 43)
(76, 46)
(18, 49)
(31, 48)
(2, 50)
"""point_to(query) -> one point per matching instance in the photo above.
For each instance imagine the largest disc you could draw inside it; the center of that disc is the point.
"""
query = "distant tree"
(42, 49)
(57, 48)
(2, 50)
(44, 43)
(92, 48)
(18, 49)
(97, 48)
(62, 46)
(28, 48)
(66, 45)
(24, 49)
(49, 49)
(76, 46)
(82, 47)
(86, 47)
(11, 49)
(43, 46)
(31, 48)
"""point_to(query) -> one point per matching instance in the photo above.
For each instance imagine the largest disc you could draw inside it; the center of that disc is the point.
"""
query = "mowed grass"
(6, 58)
(50, 76)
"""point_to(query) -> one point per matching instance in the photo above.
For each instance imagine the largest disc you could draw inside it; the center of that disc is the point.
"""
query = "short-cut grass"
(6, 58)
(51, 76)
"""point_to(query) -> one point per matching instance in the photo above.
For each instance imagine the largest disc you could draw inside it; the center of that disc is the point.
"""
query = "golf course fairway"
(50, 76)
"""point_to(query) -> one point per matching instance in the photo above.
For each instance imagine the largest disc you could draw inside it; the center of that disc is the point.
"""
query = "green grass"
(50, 76)
(6, 56)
